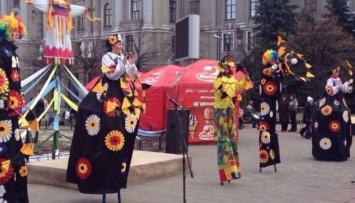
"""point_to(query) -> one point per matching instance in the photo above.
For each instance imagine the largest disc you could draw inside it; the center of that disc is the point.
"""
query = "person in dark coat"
(292, 110)
(307, 115)
(283, 113)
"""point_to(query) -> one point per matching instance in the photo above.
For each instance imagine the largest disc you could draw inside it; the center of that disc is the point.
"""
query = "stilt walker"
(276, 65)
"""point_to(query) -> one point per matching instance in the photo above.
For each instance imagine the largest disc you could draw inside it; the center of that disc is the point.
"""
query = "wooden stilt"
(103, 198)
(119, 196)
(275, 168)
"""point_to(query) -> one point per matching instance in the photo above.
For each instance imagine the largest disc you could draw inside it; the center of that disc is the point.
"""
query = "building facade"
(149, 25)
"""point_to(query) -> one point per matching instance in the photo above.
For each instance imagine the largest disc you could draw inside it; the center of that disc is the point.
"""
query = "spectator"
(307, 114)
(241, 118)
(283, 113)
(292, 110)
(250, 113)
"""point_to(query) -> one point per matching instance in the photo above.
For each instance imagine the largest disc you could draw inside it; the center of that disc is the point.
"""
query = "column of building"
(147, 14)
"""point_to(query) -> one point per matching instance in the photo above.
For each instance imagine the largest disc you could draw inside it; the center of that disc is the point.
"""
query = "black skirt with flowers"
(103, 139)
(269, 153)
(331, 135)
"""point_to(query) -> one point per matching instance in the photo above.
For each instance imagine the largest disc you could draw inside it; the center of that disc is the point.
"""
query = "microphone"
(175, 102)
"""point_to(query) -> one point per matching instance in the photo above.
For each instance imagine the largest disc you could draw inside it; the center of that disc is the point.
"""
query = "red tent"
(196, 94)
(163, 82)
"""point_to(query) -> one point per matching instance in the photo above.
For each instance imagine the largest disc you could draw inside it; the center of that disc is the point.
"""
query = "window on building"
(172, 11)
(16, 3)
(253, 4)
(194, 7)
(310, 5)
(228, 42)
(251, 40)
(173, 43)
(129, 43)
(81, 22)
(107, 15)
(230, 9)
(135, 9)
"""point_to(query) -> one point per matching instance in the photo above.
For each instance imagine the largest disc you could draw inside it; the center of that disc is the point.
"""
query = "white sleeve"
(41, 5)
(330, 84)
(131, 69)
(77, 10)
(345, 87)
(117, 72)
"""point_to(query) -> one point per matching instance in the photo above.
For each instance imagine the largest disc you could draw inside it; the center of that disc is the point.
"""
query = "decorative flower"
(272, 154)
(112, 39)
(329, 90)
(265, 137)
(316, 124)
(5, 130)
(111, 101)
(23, 171)
(2, 104)
(336, 102)
(264, 108)
(5, 175)
(325, 143)
(14, 75)
(346, 116)
(334, 125)
(130, 123)
(262, 81)
(92, 124)
(17, 134)
(271, 114)
(267, 71)
(269, 88)
(15, 100)
(3, 149)
(4, 82)
(263, 125)
(83, 168)
(326, 110)
(2, 190)
(114, 140)
(263, 156)
(123, 167)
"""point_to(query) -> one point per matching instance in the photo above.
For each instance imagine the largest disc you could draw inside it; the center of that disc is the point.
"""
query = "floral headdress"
(113, 39)
(8, 23)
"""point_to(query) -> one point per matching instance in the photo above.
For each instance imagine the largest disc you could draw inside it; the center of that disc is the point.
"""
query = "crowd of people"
(104, 137)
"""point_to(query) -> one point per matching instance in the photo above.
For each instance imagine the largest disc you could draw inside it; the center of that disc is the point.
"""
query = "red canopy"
(163, 82)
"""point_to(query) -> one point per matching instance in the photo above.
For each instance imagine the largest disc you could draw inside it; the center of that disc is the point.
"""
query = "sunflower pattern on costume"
(105, 131)
(331, 131)
(269, 92)
(12, 159)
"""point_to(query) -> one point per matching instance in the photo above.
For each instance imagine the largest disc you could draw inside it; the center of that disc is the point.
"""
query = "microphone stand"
(184, 152)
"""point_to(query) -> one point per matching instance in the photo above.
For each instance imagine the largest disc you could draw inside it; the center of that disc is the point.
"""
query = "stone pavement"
(299, 178)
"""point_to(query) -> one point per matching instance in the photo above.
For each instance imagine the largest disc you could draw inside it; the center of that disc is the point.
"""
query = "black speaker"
(174, 141)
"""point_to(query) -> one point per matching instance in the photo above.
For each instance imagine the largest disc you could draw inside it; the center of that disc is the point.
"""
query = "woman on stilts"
(225, 134)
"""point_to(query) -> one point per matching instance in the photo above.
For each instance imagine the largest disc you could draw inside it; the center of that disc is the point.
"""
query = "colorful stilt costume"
(331, 125)
(269, 153)
(224, 88)
(106, 127)
(13, 151)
